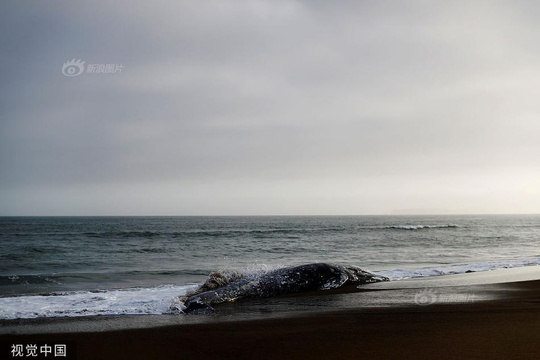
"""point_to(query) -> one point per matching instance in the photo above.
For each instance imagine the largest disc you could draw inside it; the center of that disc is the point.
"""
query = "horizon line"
(285, 215)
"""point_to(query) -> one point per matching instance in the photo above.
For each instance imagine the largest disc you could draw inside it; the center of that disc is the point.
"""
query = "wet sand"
(493, 315)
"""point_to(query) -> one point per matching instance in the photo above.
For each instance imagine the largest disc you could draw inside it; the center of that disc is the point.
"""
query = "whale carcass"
(318, 276)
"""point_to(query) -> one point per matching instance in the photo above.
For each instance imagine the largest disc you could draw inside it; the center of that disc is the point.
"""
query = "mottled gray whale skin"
(318, 276)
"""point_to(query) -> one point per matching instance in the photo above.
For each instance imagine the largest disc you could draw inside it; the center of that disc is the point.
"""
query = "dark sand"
(471, 317)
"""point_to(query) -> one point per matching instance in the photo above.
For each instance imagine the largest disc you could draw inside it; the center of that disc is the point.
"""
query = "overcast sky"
(270, 107)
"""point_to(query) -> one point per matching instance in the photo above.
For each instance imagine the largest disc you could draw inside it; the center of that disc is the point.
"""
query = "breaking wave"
(400, 274)
(156, 300)
(419, 227)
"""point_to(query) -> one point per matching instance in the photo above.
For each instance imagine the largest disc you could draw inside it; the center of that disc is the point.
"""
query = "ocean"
(84, 266)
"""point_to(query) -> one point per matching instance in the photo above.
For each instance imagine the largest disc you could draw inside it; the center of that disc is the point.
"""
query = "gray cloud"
(261, 107)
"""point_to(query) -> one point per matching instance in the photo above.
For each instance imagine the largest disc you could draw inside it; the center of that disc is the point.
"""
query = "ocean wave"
(419, 227)
(210, 233)
(123, 234)
(400, 274)
(93, 277)
(28, 279)
(151, 301)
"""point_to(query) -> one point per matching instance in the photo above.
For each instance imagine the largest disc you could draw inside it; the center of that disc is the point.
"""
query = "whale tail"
(358, 275)
(198, 307)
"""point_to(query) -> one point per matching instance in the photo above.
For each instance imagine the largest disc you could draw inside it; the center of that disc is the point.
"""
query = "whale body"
(318, 276)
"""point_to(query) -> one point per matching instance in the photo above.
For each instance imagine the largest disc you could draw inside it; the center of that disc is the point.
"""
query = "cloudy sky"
(269, 107)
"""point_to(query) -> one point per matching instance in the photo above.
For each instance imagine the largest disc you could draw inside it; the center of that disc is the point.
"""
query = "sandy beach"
(493, 315)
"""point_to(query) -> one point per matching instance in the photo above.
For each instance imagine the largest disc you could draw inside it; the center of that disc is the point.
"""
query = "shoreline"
(485, 316)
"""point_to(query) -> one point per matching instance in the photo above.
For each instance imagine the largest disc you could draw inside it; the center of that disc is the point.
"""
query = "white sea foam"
(399, 274)
(157, 300)
(418, 227)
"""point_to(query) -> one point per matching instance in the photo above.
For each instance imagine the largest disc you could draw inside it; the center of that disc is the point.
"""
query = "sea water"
(75, 266)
